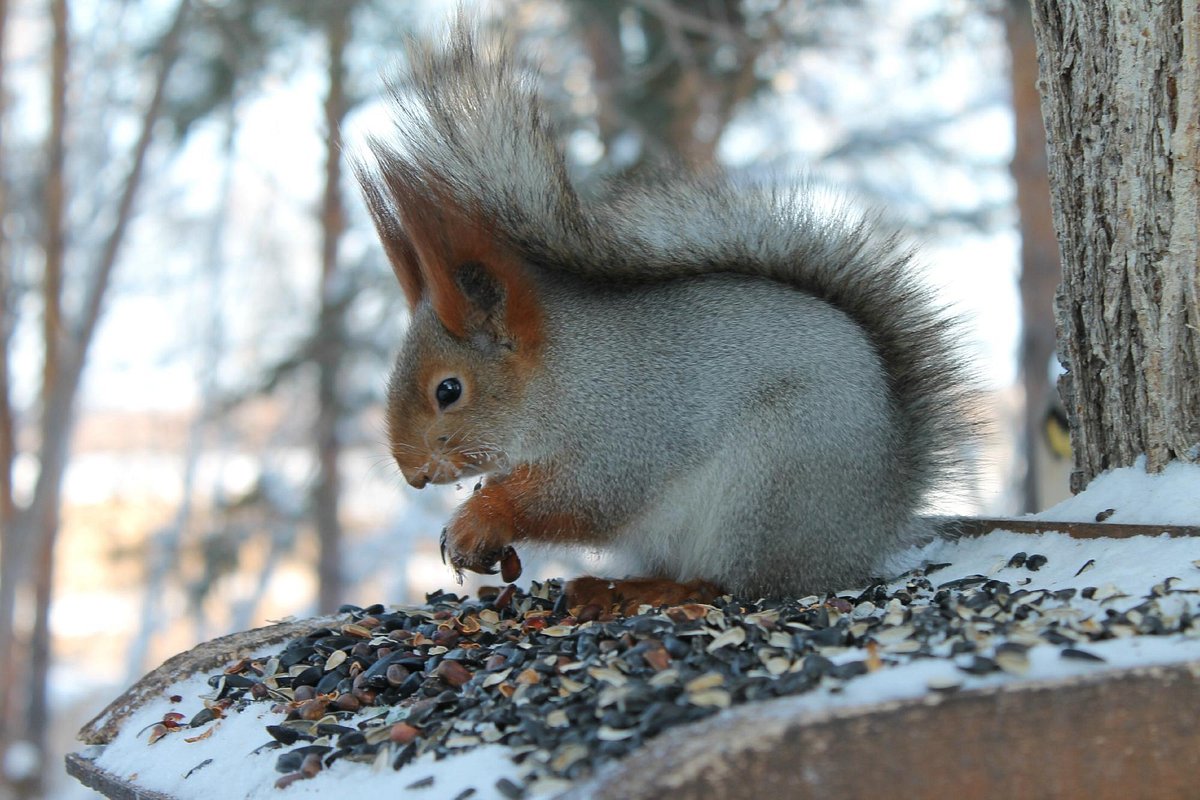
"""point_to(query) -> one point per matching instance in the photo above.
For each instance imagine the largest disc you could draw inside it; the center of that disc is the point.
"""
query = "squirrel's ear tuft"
(396, 244)
(450, 254)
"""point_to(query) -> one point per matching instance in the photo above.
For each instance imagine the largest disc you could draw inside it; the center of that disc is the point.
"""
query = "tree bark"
(1040, 272)
(330, 344)
(8, 447)
(1120, 83)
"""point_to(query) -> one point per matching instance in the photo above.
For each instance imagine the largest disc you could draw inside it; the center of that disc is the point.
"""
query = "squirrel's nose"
(416, 478)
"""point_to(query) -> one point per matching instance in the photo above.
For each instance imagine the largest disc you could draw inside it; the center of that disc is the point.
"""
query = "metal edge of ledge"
(967, 527)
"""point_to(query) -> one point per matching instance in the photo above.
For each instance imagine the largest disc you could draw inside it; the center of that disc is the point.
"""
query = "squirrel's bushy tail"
(471, 129)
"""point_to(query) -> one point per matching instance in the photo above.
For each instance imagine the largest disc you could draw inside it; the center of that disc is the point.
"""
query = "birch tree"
(1120, 85)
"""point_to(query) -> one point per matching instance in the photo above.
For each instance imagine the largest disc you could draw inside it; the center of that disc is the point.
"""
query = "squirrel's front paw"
(469, 543)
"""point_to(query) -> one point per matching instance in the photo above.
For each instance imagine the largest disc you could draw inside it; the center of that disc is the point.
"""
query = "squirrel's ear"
(396, 244)
(447, 251)
(476, 285)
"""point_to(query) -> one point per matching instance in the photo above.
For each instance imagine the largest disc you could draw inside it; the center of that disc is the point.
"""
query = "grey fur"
(736, 385)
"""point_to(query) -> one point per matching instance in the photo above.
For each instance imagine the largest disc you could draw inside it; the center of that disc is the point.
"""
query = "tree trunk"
(1120, 84)
(330, 344)
(1040, 273)
(8, 447)
(677, 101)
(54, 241)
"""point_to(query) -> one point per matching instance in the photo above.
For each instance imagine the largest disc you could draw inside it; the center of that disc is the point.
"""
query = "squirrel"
(731, 387)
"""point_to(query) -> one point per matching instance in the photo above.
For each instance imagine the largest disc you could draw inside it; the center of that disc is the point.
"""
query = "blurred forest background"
(197, 321)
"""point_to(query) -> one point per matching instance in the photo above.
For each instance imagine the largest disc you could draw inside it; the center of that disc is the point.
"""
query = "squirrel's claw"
(485, 563)
(442, 543)
(472, 541)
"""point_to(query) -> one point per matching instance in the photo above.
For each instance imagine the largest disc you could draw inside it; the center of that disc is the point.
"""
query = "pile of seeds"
(569, 689)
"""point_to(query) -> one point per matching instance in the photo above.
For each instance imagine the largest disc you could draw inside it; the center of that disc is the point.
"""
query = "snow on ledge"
(1136, 497)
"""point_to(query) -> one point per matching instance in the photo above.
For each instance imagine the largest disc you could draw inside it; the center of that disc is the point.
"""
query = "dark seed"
(292, 760)
(287, 736)
(203, 717)
(396, 674)
(504, 598)
(351, 739)
(830, 637)
(676, 647)
(817, 665)
(311, 765)
(510, 565)
(509, 789)
(410, 685)
(404, 755)
(347, 702)
(962, 646)
(310, 677)
(262, 748)
(965, 583)
(288, 780)
(849, 670)
(330, 680)
(980, 665)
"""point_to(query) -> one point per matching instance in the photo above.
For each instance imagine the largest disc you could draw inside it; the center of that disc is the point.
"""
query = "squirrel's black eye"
(448, 391)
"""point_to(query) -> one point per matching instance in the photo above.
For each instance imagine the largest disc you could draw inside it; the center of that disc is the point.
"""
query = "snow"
(1171, 498)
(175, 766)
(1129, 566)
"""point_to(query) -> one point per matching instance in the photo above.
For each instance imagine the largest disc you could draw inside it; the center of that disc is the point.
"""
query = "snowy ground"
(200, 764)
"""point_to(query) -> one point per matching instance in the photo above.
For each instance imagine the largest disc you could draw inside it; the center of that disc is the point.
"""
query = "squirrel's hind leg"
(629, 594)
